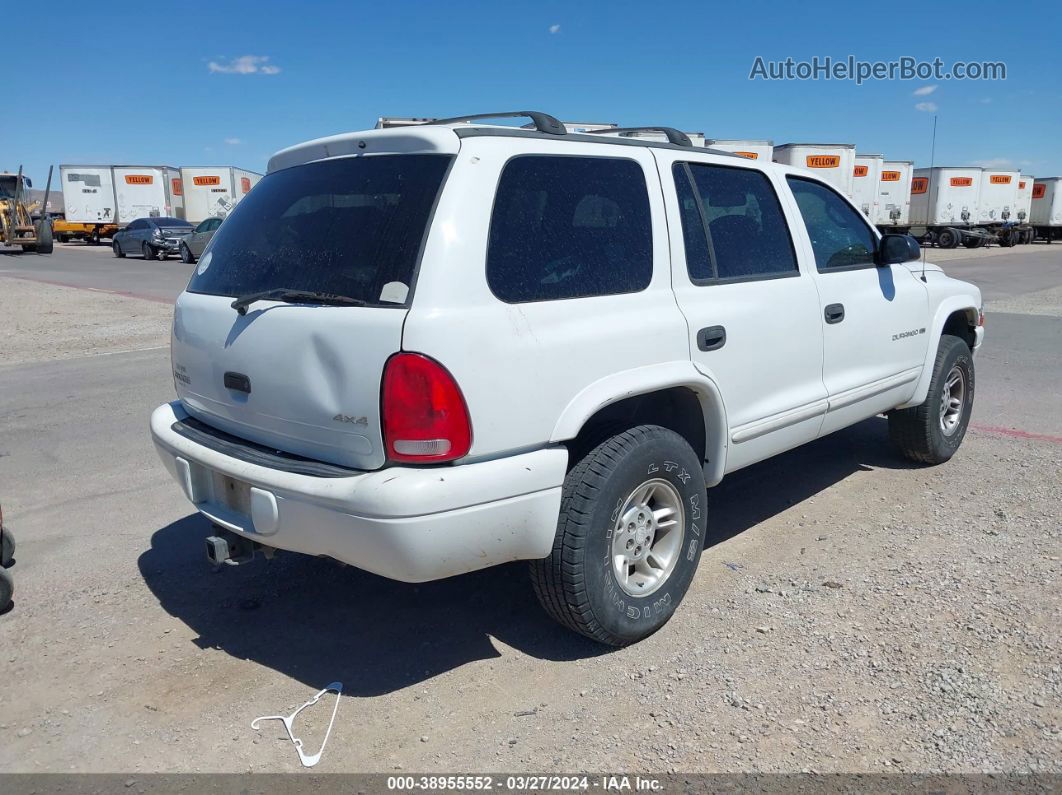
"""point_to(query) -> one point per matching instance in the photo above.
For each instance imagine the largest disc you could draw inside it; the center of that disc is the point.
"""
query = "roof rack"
(543, 121)
(673, 136)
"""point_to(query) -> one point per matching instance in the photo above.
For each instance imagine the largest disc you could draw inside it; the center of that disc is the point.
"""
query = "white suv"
(427, 350)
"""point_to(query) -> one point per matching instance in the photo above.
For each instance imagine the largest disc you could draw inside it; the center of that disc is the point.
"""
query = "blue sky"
(164, 83)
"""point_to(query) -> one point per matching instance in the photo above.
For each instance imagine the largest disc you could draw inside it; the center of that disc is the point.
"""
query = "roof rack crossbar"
(673, 136)
(543, 121)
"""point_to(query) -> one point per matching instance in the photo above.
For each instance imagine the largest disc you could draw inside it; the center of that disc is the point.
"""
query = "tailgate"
(302, 379)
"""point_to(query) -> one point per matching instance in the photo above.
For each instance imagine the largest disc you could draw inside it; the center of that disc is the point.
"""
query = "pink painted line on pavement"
(1017, 434)
(122, 293)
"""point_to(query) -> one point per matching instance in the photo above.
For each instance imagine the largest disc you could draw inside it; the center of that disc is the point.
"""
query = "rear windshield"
(351, 226)
(170, 222)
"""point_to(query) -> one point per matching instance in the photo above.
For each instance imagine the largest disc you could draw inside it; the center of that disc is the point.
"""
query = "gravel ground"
(852, 613)
(46, 322)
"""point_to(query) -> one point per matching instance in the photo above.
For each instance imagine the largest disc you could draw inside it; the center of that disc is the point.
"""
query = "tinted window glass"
(747, 232)
(568, 227)
(166, 221)
(138, 224)
(698, 262)
(839, 235)
(351, 226)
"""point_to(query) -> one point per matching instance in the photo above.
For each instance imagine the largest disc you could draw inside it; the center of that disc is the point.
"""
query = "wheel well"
(960, 324)
(676, 408)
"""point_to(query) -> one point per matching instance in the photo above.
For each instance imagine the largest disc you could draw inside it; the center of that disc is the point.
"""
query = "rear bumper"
(406, 523)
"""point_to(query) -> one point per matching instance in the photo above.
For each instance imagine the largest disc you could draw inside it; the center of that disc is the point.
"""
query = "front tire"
(117, 248)
(629, 537)
(931, 432)
(186, 255)
(148, 251)
(948, 238)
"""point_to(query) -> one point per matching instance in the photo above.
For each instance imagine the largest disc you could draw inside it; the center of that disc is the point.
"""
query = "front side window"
(732, 223)
(569, 227)
(350, 226)
(839, 236)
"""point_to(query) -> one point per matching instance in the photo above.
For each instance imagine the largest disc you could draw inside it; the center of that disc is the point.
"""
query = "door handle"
(834, 313)
(712, 338)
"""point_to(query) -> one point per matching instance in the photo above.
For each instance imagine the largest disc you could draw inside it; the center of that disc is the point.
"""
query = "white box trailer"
(88, 194)
(944, 206)
(760, 150)
(834, 163)
(1046, 212)
(866, 173)
(894, 195)
(212, 191)
(998, 197)
(945, 196)
(144, 191)
(1023, 204)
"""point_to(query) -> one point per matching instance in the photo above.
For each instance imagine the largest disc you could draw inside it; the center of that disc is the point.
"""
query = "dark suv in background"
(151, 237)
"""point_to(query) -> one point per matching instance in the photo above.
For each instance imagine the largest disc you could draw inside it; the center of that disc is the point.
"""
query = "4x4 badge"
(355, 420)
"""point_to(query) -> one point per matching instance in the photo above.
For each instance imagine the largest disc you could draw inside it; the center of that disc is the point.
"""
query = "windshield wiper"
(294, 297)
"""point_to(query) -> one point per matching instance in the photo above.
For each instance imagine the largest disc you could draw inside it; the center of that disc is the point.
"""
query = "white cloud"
(244, 65)
(554, 28)
(993, 162)
(233, 141)
(927, 107)
(924, 91)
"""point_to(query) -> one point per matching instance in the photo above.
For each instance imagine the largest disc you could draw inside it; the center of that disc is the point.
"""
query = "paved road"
(124, 652)
(96, 267)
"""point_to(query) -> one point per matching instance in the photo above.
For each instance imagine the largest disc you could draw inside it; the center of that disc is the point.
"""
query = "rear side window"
(350, 226)
(839, 236)
(732, 223)
(569, 227)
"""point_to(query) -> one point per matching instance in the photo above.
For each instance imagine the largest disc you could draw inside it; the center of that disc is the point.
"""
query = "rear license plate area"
(233, 494)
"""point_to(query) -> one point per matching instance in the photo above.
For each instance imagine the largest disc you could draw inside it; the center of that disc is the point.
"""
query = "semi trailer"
(834, 163)
(865, 176)
(1023, 209)
(103, 196)
(751, 149)
(944, 206)
(997, 208)
(894, 197)
(212, 191)
(1046, 208)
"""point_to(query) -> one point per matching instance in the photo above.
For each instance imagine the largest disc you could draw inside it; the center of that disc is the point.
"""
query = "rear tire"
(7, 590)
(7, 549)
(647, 478)
(116, 247)
(931, 432)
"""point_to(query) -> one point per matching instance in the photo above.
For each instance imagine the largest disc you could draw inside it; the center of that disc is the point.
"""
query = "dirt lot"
(852, 612)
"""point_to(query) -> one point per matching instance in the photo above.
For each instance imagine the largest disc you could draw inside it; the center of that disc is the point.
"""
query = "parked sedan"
(151, 237)
(192, 246)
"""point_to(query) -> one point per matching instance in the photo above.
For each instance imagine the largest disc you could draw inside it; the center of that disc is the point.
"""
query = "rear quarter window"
(569, 227)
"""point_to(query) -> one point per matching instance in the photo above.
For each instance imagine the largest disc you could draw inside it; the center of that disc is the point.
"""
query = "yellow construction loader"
(17, 225)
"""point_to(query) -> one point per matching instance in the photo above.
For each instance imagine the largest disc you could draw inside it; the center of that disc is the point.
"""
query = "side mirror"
(894, 249)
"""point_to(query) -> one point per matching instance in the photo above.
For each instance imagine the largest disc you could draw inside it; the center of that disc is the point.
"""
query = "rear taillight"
(425, 418)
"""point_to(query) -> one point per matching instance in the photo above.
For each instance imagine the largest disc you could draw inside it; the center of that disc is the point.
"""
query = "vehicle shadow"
(318, 622)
